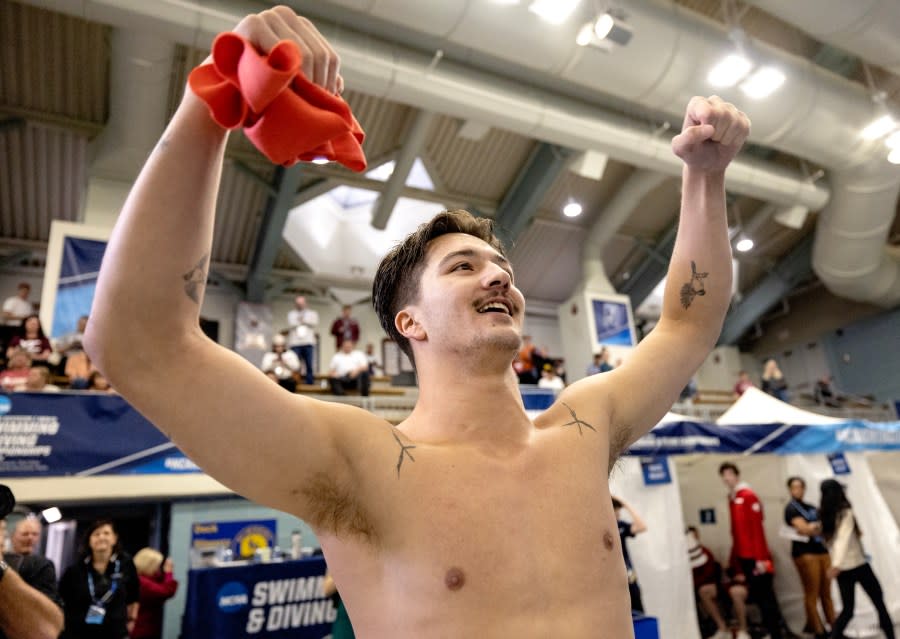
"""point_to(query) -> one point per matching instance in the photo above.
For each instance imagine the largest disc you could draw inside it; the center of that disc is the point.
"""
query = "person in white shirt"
(17, 307)
(848, 560)
(549, 379)
(349, 369)
(282, 362)
(302, 336)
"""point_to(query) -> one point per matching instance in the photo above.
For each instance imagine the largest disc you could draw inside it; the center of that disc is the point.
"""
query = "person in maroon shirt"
(157, 586)
(345, 327)
(31, 339)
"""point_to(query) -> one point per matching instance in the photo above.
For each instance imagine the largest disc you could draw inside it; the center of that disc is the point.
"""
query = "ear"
(407, 325)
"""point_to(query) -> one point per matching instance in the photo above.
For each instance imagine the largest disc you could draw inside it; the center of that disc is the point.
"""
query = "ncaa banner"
(70, 433)
(283, 600)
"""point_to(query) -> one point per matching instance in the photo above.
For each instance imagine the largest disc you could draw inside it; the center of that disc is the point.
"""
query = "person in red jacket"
(749, 549)
(157, 585)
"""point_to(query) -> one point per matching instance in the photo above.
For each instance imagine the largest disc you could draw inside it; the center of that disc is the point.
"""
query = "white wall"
(720, 370)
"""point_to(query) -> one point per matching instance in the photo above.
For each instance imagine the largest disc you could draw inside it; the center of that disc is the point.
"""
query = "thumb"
(695, 134)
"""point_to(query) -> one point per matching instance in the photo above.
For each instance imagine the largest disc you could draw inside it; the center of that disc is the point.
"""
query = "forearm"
(638, 525)
(25, 612)
(154, 272)
(697, 296)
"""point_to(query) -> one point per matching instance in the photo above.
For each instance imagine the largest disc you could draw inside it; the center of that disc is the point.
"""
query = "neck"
(101, 557)
(478, 405)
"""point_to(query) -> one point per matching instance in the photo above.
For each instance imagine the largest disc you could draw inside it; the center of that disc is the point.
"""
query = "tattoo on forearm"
(163, 144)
(577, 422)
(404, 450)
(195, 280)
(688, 292)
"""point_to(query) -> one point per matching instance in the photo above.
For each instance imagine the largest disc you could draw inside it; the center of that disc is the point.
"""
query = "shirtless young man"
(469, 519)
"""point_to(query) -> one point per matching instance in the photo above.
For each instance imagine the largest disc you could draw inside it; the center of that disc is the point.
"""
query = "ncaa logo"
(232, 597)
(5, 404)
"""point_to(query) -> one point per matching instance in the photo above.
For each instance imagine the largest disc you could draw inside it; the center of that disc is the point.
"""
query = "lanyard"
(808, 515)
(112, 589)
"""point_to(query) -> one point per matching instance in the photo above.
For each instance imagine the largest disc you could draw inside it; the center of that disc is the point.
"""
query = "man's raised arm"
(698, 285)
(144, 332)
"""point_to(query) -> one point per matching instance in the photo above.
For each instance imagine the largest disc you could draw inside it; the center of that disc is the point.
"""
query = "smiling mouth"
(496, 307)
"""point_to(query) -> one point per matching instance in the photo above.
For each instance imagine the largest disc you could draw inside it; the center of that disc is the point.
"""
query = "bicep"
(236, 424)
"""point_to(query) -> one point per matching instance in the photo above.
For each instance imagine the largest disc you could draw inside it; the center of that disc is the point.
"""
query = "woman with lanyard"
(810, 557)
(101, 590)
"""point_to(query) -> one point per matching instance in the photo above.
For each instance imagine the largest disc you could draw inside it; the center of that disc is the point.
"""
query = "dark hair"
(729, 466)
(616, 503)
(40, 330)
(791, 480)
(692, 529)
(834, 502)
(85, 547)
(396, 281)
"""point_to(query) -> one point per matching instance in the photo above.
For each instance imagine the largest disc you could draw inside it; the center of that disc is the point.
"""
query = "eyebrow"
(471, 253)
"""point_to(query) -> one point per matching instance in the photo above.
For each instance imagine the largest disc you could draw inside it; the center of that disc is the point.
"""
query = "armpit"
(334, 509)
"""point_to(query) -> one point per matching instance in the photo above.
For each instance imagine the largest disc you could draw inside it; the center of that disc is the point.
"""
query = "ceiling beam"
(791, 270)
(523, 198)
(84, 127)
(268, 239)
(413, 145)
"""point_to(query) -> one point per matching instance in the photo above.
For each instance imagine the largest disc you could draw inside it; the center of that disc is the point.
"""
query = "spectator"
(848, 560)
(630, 529)
(345, 328)
(525, 364)
(709, 585)
(30, 606)
(600, 364)
(810, 557)
(156, 586)
(749, 550)
(773, 381)
(16, 373)
(38, 381)
(17, 307)
(742, 384)
(824, 393)
(26, 536)
(78, 370)
(349, 369)
(302, 335)
(72, 342)
(374, 365)
(31, 339)
(282, 362)
(689, 392)
(101, 588)
(97, 382)
(549, 379)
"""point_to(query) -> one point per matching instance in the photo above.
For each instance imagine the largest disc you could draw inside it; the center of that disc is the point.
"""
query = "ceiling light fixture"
(572, 209)
(744, 244)
(762, 83)
(893, 140)
(894, 156)
(606, 29)
(731, 70)
(51, 515)
(554, 11)
(878, 127)
(320, 160)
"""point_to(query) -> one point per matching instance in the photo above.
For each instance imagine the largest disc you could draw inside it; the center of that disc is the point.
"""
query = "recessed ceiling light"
(879, 127)
(762, 83)
(744, 245)
(894, 156)
(604, 25)
(572, 209)
(893, 140)
(51, 515)
(320, 160)
(731, 70)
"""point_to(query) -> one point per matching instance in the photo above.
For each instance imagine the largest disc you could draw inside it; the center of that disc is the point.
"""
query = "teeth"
(494, 306)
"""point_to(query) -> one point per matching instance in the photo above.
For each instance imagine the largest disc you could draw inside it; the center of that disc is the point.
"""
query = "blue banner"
(655, 471)
(77, 281)
(679, 438)
(242, 537)
(611, 323)
(51, 434)
(275, 601)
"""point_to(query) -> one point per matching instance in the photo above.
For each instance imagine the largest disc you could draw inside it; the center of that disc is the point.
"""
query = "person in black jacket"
(101, 589)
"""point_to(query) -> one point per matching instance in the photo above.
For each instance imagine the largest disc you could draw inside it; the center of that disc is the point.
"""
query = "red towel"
(285, 115)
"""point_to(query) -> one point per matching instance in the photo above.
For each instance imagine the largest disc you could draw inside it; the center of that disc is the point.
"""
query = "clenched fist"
(321, 63)
(712, 134)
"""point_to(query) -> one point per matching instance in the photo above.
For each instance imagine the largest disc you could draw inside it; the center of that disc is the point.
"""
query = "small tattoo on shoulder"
(404, 451)
(688, 292)
(577, 422)
(195, 280)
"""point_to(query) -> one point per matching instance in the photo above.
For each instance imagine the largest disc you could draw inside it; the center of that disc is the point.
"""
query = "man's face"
(24, 291)
(347, 345)
(797, 490)
(300, 302)
(346, 311)
(730, 478)
(26, 536)
(35, 380)
(467, 299)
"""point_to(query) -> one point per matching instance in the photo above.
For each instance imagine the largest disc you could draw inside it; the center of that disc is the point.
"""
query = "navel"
(608, 540)
(454, 579)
